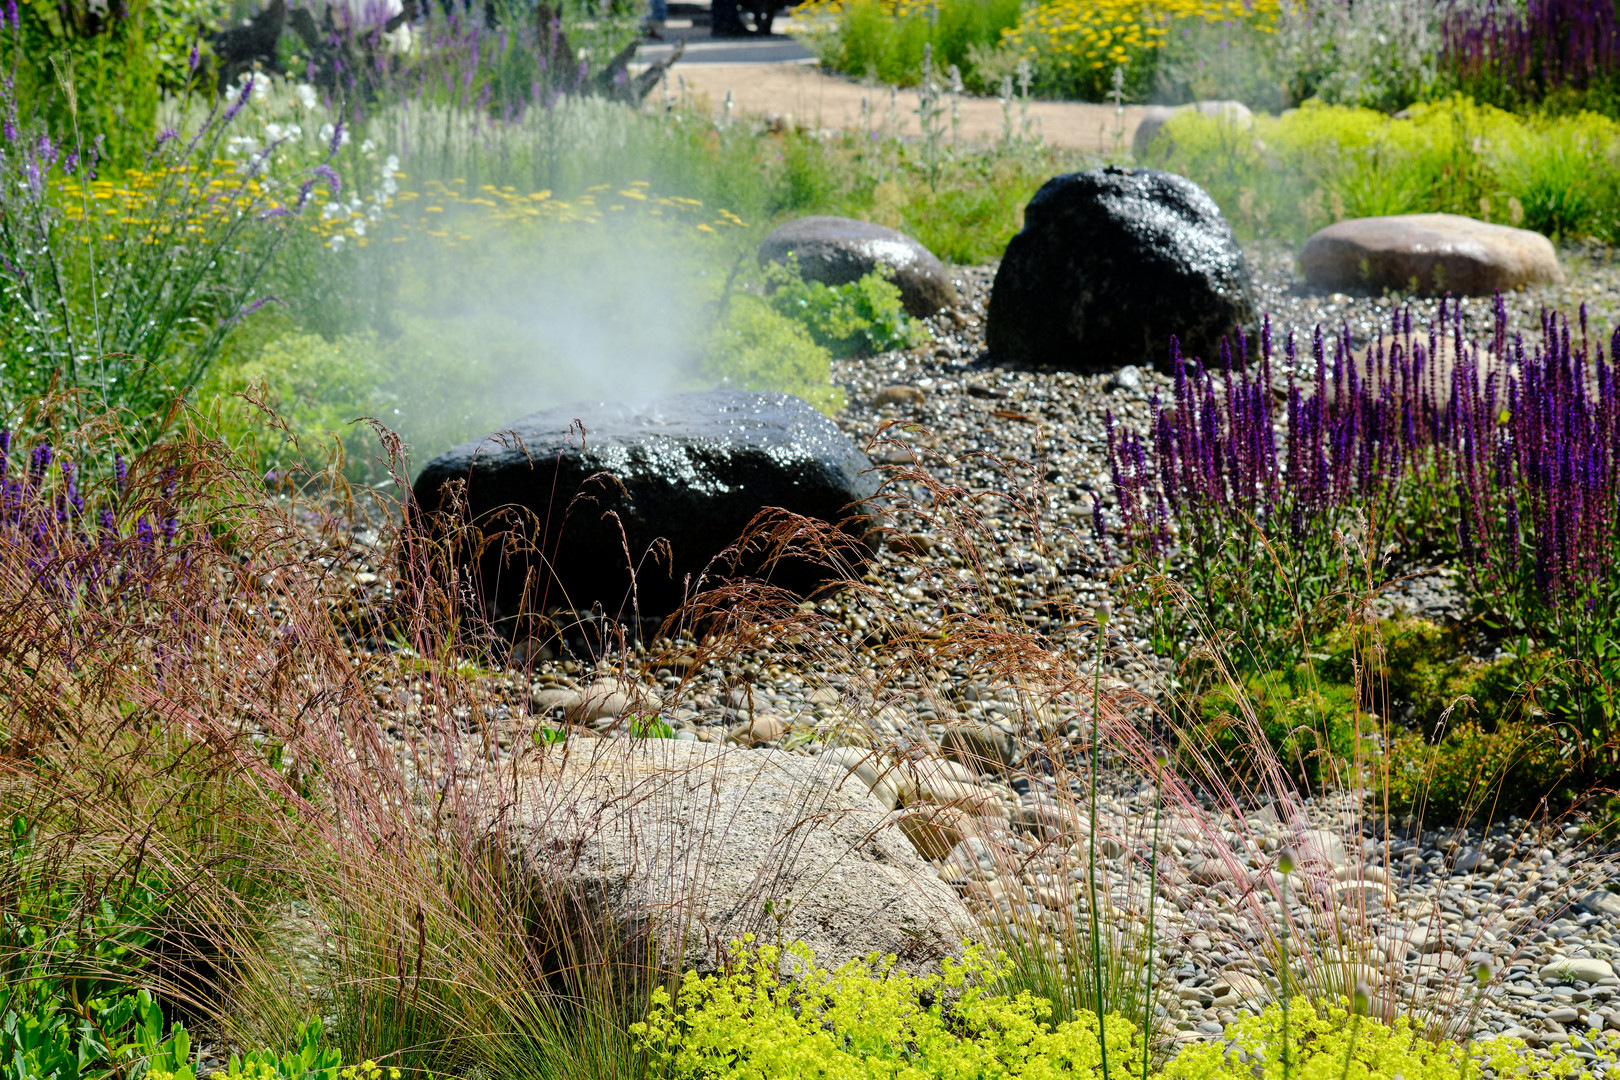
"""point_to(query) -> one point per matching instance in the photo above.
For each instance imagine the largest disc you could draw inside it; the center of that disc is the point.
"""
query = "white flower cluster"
(357, 213)
(271, 118)
(286, 121)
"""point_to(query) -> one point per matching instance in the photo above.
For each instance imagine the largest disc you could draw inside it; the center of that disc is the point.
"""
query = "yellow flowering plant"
(775, 1014)
(1333, 1043)
(1074, 46)
(125, 284)
(1070, 47)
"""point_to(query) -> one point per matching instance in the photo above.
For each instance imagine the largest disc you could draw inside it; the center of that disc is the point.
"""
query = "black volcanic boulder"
(692, 469)
(839, 250)
(1110, 264)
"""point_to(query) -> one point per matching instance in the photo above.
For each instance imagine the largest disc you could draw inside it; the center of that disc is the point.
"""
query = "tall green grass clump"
(881, 40)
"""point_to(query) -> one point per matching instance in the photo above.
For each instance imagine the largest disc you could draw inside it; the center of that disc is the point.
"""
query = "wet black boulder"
(1110, 264)
(690, 469)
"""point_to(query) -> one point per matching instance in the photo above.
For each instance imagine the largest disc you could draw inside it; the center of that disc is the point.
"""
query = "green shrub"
(1466, 737)
(44, 1034)
(754, 347)
(318, 388)
(1292, 174)
(882, 40)
(854, 319)
(82, 938)
(868, 1019)
(311, 1060)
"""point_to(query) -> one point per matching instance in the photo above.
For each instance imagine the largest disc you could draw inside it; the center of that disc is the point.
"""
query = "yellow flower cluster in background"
(899, 9)
(1099, 35)
(165, 202)
(452, 211)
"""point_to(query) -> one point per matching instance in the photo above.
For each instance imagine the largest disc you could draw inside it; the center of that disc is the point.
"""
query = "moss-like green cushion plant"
(1332, 1044)
(868, 1019)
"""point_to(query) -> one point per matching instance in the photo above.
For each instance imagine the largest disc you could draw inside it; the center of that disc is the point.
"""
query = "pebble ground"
(1412, 911)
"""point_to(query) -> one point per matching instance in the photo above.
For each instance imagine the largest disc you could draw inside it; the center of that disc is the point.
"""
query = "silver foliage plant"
(1375, 53)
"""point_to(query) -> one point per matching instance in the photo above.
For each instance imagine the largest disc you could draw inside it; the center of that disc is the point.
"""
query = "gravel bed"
(1409, 911)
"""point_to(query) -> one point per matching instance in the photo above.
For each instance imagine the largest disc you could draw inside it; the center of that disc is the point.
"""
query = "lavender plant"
(127, 285)
(1497, 457)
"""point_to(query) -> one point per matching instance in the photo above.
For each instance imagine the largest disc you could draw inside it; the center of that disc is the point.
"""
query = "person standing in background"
(657, 16)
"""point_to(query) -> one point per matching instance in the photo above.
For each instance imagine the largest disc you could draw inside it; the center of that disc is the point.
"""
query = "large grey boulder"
(839, 250)
(686, 846)
(1429, 254)
(575, 496)
(1111, 263)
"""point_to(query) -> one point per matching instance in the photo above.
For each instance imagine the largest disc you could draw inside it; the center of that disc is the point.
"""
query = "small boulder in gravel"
(635, 841)
(764, 727)
(935, 831)
(1428, 254)
(1587, 969)
(981, 748)
(1602, 902)
(899, 394)
(877, 772)
(1323, 845)
(1110, 264)
(839, 250)
(610, 697)
(690, 469)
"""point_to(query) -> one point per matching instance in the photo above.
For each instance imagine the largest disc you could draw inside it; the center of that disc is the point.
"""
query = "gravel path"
(1410, 911)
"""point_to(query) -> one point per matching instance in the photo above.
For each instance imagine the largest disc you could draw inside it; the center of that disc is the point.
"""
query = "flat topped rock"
(837, 250)
(571, 488)
(1428, 254)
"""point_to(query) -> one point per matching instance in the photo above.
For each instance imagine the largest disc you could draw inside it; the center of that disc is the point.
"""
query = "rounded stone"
(1428, 254)
(981, 747)
(1587, 969)
(631, 506)
(837, 250)
(1111, 263)
(899, 394)
(764, 727)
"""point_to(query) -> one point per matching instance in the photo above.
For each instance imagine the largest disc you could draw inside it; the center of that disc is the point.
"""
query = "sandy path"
(813, 97)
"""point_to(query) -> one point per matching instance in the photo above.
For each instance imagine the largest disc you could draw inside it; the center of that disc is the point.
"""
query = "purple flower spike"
(241, 100)
(334, 183)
